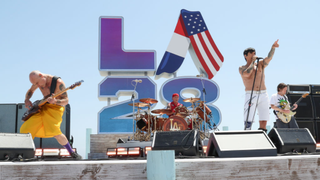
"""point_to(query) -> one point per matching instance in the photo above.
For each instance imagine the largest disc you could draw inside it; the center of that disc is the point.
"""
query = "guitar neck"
(56, 95)
(297, 102)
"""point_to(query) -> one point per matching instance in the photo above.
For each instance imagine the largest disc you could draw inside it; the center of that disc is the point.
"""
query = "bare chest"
(45, 91)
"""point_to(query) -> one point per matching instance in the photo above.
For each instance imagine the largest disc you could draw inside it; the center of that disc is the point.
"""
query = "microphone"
(259, 58)
(138, 80)
(201, 75)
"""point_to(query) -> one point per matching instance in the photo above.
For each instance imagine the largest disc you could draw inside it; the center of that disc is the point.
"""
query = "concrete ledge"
(278, 167)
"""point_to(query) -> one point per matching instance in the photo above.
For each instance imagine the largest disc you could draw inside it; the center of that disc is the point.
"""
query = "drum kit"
(182, 119)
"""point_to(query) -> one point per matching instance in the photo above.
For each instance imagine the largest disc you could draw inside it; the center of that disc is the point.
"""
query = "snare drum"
(175, 123)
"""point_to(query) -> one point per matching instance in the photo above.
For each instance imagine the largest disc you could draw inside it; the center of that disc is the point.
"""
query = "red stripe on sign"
(204, 65)
(180, 28)
(206, 49)
(214, 46)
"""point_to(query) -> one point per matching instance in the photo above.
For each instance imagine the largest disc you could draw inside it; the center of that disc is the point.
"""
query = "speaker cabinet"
(305, 107)
(240, 144)
(8, 118)
(316, 103)
(293, 139)
(12, 145)
(185, 143)
(317, 122)
(315, 89)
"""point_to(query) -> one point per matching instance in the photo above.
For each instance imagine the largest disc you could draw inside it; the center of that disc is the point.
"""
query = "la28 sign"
(122, 66)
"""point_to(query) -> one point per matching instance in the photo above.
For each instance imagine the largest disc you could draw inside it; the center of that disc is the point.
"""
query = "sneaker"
(265, 130)
(76, 156)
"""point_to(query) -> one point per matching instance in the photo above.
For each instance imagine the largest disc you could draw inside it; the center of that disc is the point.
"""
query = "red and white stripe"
(207, 53)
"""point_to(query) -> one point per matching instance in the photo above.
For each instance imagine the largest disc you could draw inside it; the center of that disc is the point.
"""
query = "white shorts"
(263, 105)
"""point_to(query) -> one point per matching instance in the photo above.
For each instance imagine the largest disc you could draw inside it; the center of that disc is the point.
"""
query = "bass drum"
(158, 123)
(175, 123)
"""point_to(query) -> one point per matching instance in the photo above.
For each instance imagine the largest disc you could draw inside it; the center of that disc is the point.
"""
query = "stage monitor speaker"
(240, 144)
(316, 104)
(48, 142)
(305, 107)
(185, 143)
(8, 118)
(12, 145)
(309, 124)
(292, 139)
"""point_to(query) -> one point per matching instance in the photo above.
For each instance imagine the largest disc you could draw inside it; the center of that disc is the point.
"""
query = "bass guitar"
(36, 106)
(286, 117)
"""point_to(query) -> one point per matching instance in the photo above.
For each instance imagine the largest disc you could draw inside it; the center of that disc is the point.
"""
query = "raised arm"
(267, 60)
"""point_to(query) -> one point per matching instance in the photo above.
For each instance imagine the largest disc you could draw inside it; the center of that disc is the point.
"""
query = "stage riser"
(250, 169)
(284, 167)
(74, 171)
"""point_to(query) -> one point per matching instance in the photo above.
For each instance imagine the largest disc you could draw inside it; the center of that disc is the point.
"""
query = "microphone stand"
(204, 108)
(254, 80)
(132, 99)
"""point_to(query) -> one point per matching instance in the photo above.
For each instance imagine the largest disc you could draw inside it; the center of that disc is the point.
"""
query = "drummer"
(175, 103)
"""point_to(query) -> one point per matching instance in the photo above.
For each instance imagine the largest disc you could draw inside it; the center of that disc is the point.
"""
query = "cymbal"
(162, 111)
(148, 100)
(191, 100)
(139, 104)
(183, 114)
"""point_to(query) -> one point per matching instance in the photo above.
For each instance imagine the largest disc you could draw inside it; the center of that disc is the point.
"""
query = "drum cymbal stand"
(133, 110)
(193, 115)
(204, 100)
(149, 116)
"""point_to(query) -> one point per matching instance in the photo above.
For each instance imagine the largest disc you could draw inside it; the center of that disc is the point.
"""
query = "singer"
(253, 78)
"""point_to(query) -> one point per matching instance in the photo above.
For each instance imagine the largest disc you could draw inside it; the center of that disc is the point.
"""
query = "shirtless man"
(259, 93)
(46, 123)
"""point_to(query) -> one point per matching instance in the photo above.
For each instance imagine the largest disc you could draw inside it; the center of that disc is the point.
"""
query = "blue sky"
(61, 38)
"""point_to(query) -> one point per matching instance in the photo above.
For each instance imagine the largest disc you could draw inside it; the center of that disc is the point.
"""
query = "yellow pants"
(46, 123)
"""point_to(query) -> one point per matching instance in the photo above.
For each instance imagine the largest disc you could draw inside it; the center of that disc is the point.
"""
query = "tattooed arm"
(267, 60)
(246, 71)
(61, 100)
(27, 102)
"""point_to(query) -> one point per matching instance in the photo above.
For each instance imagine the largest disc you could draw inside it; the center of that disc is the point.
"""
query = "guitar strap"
(53, 84)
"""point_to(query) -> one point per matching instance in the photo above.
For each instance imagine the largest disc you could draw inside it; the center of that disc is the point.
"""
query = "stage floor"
(275, 167)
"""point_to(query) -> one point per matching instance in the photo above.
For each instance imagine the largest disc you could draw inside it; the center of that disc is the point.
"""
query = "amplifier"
(315, 89)
(298, 89)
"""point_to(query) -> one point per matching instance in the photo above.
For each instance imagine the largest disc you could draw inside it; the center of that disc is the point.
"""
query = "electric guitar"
(36, 106)
(286, 117)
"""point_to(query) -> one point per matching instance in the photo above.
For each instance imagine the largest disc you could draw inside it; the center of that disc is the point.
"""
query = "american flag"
(204, 47)
(191, 28)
